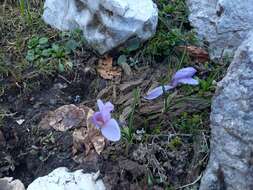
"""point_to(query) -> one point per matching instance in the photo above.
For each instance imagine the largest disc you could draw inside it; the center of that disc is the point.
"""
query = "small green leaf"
(55, 47)
(33, 42)
(61, 67)
(71, 45)
(150, 180)
(133, 45)
(37, 51)
(30, 55)
(43, 40)
(122, 59)
(46, 52)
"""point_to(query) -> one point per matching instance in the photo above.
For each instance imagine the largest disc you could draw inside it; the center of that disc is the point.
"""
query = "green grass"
(129, 130)
(171, 30)
(31, 50)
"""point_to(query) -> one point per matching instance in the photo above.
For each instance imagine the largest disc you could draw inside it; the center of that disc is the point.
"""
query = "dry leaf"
(195, 52)
(106, 92)
(81, 141)
(64, 118)
(130, 85)
(97, 140)
(125, 113)
(106, 70)
(127, 69)
(90, 161)
(85, 136)
(124, 98)
(88, 137)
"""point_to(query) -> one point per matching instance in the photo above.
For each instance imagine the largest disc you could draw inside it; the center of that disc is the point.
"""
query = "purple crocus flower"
(182, 76)
(103, 121)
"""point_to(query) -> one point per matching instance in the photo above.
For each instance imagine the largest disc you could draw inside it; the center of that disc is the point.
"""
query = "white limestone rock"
(106, 24)
(224, 24)
(8, 183)
(62, 179)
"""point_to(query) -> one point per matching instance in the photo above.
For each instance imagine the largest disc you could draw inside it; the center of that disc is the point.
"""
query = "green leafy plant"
(175, 143)
(207, 84)
(189, 123)
(49, 57)
(171, 29)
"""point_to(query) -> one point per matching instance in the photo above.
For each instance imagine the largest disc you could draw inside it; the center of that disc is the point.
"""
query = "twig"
(62, 77)
(190, 184)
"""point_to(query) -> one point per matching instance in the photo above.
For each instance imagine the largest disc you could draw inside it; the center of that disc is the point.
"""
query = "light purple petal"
(104, 111)
(189, 81)
(106, 115)
(100, 104)
(109, 106)
(156, 92)
(111, 130)
(97, 119)
(184, 73)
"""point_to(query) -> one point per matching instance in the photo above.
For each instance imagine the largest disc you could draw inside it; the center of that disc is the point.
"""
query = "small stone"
(106, 24)
(20, 121)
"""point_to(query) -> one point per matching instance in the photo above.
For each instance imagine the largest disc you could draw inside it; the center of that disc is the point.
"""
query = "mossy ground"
(167, 139)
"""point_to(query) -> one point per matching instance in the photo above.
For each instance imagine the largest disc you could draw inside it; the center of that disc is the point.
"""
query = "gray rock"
(224, 24)
(230, 165)
(106, 24)
(228, 28)
(62, 179)
(7, 183)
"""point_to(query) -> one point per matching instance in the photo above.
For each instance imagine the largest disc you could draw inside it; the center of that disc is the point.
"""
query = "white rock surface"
(7, 183)
(62, 179)
(106, 24)
(224, 24)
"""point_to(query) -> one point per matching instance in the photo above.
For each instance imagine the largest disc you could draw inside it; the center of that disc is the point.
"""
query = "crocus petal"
(184, 73)
(100, 104)
(97, 119)
(106, 115)
(109, 106)
(111, 130)
(189, 81)
(156, 92)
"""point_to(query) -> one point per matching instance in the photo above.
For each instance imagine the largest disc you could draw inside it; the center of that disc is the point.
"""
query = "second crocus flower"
(182, 76)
